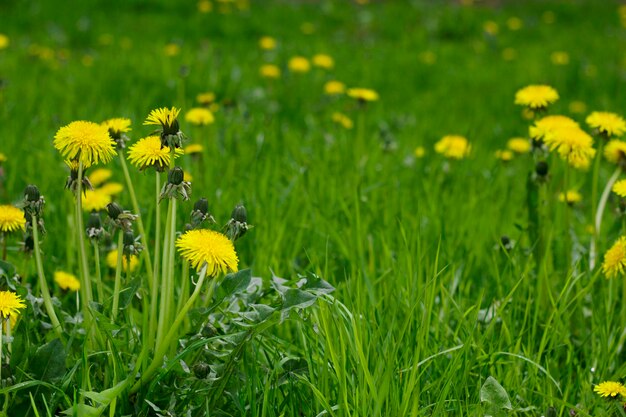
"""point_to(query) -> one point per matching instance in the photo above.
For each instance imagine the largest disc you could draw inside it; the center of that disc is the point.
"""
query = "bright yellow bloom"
(199, 116)
(619, 188)
(323, 61)
(164, 117)
(88, 142)
(536, 96)
(615, 151)
(573, 145)
(267, 43)
(504, 155)
(66, 281)
(205, 98)
(187, 176)
(491, 27)
(299, 64)
(111, 261)
(193, 148)
(95, 200)
(610, 389)
(171, 49)
(607, 123)
(453, 146)
(202, 246)
(615, 259)
(334, 87)
(419, 152)
(559, 58)
(4, 41)
(99, 176)
(343, 120)
(111, 188)
(3, 158)
(571, 197)
(117, 126)
(11, 219)
(362, 94)
(549, 124)
(10, 304)
(519, 145)
(269, 71)
(147, 153)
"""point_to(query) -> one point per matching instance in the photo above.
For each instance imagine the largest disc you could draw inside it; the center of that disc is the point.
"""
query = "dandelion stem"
(85, 286)
(599, 213)
(154, 292)
(158, 355)
(118, 276)
(43, 285)
(96, 255)
(164, 286)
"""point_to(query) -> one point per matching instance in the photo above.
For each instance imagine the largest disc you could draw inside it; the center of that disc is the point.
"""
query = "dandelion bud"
(31, 193)
(201, 370)
(239, 214)
(94, 226)
(237, 226)
(541, 168)
(129, 238)
(33, 201)
(202, 206)
(29, 244)
(114, 210)
(199, 214)
(175, 176)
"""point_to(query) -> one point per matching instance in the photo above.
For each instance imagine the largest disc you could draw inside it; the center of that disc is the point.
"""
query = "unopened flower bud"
(201, 370)
(175, 176)
(129, 238)
(541, 168)
(31, 193)
(239, 214)
(114, 210)
(94, 221)
(202, 206)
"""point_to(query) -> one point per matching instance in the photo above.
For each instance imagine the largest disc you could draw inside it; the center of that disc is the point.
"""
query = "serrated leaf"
(48, 363)
(317, 285)
(235, 282)
(295, 298)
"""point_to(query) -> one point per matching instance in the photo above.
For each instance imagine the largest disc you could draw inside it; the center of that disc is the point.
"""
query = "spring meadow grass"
(345, 261)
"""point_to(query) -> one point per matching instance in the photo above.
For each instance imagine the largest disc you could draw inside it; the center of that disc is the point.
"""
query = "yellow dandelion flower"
(610, 389)
(615, 259)
(193, 148)
(269, 71)
(342, 120)
(334, 87)
(559, 58)
(453, 146)
(571, 197)
(147, 153)
(3, 158)
(207, 246)
(615, 151)
(514, 23)
(362, 94)
(111, 261)
(171, 49)
(4, 41)
(518, 145)
(205, 6)
(536, 96)
(323, 61)
(111, 188)
(164, 117)
(10, 304)
(491, 27)
(199, 116)
(619, 188)
(549, 124)
(187, 176)
(504, 155)
(419, 152)
(95, 200)
(577, 107)
(205, 98)
(573, 145)
(299, 64)
(607, 123)
(117, 126)
(267, 43)
(66, 281)
(87, 142)
(99, 176)
(11, 219)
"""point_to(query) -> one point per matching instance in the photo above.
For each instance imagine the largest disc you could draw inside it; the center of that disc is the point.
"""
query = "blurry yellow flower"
(4, 41)
(3, 158)
(519, 145)
(343, 120)
(10, 304)
(88, 142)
(453, 146)
(205, 6)
(491, 27)
(428, 57)
(504, 155)
(269, 71)
(95, 200)
(66, 281)
(610, 124)
(619, 188)
(571, 197)
(299, 64)
(362, 94)
(117, 126)
(419, 152)
(147, 153)
(99, 176)
(323, 61)
(573, 145)
(550, 124)
(610, 389)
(11, 219)
(187, 176)
(200, 247)
(334, 87)
(267, 43)
(577, 107)
(193, 148)
(536, 96)
(615, 259)
(509, 54)
(111, 261)
(514, 23)
(615, 151)
(111, 188)
(171, 49)
(559, 58)
(307, 28)
(205, 98)
(199, 116)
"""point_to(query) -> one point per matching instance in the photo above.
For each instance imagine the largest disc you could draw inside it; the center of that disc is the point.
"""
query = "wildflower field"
(312, 208)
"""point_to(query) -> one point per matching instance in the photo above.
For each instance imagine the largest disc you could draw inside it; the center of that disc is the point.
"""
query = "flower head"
(11, 219)
(609, 124)
(519, 145)
(342, 120)
(10, 304)
(3, 158)
(4, 41)
(205, 98)
(615, 151)
(117, 126)
(193, 148)
(550, 124)
(207, 246)
(610, 389)
(619, 188)
(536, 96)
(334, 87)
(323, 61)
(199, 116)
(573, 145)
(111, 261)
(66, 281)
(504, 155)
(453, 146)
(164, 117)
(148, 152)
(419, 152)
(267, 43)
(88, 142)
(95, 200)
(269, 71)
(571, 197)
(299, 64)
(615, 259)
(362, 94)
(111, 188)
(100, 176)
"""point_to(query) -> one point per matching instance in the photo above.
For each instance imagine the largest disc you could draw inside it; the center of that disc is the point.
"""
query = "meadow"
(375, 270)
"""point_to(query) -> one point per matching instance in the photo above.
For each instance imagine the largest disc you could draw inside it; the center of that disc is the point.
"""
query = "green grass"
(427, 304)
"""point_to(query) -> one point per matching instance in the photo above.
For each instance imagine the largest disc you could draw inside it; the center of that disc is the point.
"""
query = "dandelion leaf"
(49, 361)
(495, 398)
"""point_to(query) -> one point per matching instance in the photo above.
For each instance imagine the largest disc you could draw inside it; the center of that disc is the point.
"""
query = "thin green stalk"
(158, 355)
(163, 300)
(142, 230)
(568, 237)
(43, 285)
(96, 256)
(171, 273)
(599, 214)
(184, 289)
(85, 287)
(118, 276)
(154, 292)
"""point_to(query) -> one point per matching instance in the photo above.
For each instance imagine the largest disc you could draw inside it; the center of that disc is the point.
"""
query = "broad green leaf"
(48, 363)
(127, 294)
(295, 298)
(496, 398)
(236, 282)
